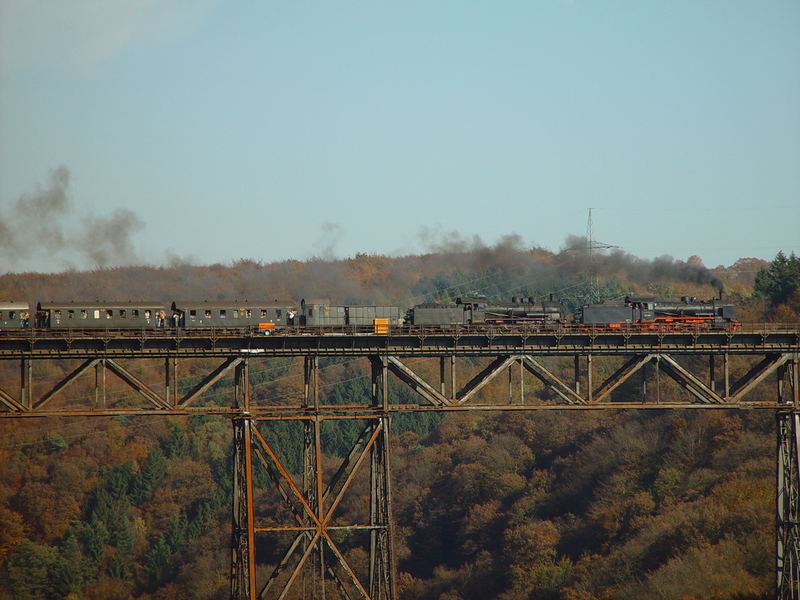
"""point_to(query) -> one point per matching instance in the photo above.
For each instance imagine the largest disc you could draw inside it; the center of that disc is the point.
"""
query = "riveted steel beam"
(136, 383)
(566, 393)
(65, 382)
(208, 381)
(621, 375)
(758, 373)
(492, 370)
(688, 381)
(416, 383)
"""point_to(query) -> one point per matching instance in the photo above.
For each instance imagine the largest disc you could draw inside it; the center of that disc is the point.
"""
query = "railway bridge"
(752, 368)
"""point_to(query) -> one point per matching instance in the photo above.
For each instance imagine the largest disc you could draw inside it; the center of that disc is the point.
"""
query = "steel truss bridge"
(753, 368)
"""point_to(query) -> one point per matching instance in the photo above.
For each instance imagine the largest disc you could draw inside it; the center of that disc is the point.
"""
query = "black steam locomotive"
(476, 310)
(652, 313)
(284, 315)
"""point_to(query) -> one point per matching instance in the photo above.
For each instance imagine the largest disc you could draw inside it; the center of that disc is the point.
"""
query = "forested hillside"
(672, 505)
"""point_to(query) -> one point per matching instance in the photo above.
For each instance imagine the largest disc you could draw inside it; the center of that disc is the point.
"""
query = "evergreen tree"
(778, 281)
(29, 571)
(150, 476)
(177, 444)
(177, 533)
(157, 562)
(94, 536)
(70, 571)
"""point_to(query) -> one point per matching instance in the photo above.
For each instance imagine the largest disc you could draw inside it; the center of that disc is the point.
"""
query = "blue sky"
(211, 131)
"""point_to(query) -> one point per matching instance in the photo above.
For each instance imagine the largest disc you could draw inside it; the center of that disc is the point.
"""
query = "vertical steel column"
(171, 380)
(726, 376)
(441, 375)
(312, 476)
(168, 382)
(25, 383)
(658, 379)
(320, 505)
(783, 371)
(241, 386)
(382, 584)
(243, 561)
(712, 378)
(100, 383)
(578, 374)
(787, 530)
(453, 388)
(510, 384)
(589, 382)
(644, 382)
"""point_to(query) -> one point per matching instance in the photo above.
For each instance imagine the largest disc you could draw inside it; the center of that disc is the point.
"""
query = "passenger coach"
(101, 315)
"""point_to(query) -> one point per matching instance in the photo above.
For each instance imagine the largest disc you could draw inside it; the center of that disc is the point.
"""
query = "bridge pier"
(787, 513)
(315, 564)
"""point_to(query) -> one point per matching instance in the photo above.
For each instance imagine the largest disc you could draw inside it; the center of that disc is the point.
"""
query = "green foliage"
(150, 476)
(30, 569)
(778, 281)
(177, 445)
(158, 565)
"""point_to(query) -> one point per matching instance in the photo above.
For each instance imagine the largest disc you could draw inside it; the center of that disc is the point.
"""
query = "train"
(276, 315)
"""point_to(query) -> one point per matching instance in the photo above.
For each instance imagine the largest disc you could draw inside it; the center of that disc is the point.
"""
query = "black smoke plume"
(44, 224)
(576, 255)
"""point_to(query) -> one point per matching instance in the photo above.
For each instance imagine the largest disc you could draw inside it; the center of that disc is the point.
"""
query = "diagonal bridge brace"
(319, 521)
(688, 381)
(555, 384)
(208, 381)
(497, 366)
(416, 383)
(136, 383)
(11, 402)
(335, 485)
(621, 375)
(64, 383)
(757, 374)
(492, 370)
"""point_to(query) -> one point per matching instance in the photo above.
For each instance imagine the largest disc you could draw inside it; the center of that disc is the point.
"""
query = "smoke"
(471, 251)
(575, 255)
(44, 224)
(331, 234)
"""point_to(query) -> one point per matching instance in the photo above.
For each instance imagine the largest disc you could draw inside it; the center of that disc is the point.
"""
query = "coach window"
(263, 314)
(223, 313)
(208, 314)
(83, 313)
(134, 313)
(123, 314)
(70, 314)
(235, 313)
(147, 314)
(192, 314)
(12, 314)
(248, 313)
(277, 313)
(310, 312)
(109, 313)
(58, 315)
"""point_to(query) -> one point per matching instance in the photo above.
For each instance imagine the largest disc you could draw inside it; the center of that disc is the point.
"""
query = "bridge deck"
(401, 341)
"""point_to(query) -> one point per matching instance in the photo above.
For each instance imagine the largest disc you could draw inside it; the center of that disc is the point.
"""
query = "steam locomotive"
(648, 313)
(283, 315)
